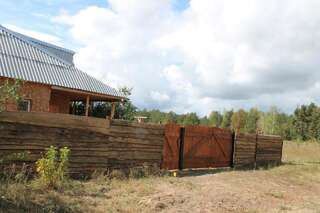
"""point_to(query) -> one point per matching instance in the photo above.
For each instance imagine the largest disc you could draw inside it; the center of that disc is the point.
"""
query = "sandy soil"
(240, 191)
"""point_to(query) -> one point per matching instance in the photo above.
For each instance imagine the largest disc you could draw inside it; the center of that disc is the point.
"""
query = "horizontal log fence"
(100, 144)
(252, 150)
(115, 145)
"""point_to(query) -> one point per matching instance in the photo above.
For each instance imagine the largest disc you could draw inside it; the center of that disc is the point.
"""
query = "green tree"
(191, 119)
(215, 119)
(204, 121)
(252, 120)
(170, 117)
(314, 127)
(226, 119)
(270, 122)
(156, 116)
(9, 91)
(125, 109)
(238, 120)
(300, 122)
(306, 122)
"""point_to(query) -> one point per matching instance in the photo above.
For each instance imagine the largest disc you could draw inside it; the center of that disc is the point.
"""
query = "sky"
(186, 55)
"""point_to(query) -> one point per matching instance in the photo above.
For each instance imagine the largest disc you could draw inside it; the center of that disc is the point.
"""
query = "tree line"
(303, 123)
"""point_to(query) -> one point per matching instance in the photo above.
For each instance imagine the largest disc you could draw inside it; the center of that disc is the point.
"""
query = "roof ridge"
(34, 44)
(47, 44)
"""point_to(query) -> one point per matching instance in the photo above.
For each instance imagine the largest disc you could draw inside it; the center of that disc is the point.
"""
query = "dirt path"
(275, 190)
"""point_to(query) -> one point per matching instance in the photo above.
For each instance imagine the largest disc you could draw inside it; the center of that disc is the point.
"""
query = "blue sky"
(36, 14)
(186, 55)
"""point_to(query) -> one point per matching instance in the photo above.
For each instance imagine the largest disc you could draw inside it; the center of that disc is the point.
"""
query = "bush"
(12, 167)
(52, 169)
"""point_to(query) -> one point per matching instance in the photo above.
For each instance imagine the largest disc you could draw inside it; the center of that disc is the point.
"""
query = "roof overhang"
(92, 95)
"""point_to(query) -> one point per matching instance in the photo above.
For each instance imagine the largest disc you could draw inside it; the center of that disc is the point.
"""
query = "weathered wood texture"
(253, 150)
(171, 148)
(196, 147)
(207, 147)
(57, 120)
(122, 145)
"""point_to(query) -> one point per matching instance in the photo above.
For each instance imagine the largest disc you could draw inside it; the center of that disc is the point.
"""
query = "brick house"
(51, 82)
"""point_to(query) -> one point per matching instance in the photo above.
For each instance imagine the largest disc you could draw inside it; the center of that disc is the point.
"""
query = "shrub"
(12, 167)
(117, 174)
(52, 168)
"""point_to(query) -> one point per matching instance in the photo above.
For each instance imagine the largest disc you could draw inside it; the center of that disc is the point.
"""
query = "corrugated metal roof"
(62, 53)
(23, 59)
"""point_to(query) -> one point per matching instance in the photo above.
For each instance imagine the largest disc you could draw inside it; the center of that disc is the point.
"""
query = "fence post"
(233, 138)
(255, 153)
(182, 134)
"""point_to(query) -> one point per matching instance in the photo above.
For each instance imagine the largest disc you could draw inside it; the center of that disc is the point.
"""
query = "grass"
(236, 191)
(301, 152)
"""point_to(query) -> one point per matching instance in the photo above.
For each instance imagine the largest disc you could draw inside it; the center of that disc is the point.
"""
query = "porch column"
(87, 105)
(113, 109)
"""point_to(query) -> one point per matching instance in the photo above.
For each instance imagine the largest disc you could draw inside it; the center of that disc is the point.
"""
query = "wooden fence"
(99, 144)
(253, 150)
(117, 145)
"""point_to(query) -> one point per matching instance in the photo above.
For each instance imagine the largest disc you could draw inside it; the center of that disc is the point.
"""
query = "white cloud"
(213, 55)
(34, 34)
(158, 96)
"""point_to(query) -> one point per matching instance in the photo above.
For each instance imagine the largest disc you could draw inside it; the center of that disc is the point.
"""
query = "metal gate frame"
(180, 146)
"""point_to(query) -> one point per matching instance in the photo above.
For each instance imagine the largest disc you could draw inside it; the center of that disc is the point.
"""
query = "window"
(24, 105)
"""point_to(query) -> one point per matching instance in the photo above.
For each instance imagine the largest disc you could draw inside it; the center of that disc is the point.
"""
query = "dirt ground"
(240, 191)
(292, 187)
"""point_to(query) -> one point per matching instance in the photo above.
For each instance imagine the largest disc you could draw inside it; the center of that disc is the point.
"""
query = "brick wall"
(59, 103)
(39, 94)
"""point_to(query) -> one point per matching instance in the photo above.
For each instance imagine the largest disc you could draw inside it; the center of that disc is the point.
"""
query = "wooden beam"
(113, 109)
(87, 105)
(103, 97)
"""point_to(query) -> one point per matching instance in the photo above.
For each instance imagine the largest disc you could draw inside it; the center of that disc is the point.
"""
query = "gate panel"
(207, 147)
(171, 147)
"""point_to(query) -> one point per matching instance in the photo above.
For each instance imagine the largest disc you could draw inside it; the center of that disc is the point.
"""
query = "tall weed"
(52, 168)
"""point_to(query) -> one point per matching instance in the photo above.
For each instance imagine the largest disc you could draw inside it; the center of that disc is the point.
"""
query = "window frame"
(29, 105)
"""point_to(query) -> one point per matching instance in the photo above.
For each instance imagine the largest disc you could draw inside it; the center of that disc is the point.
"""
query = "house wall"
(59, 103)
(39, 94)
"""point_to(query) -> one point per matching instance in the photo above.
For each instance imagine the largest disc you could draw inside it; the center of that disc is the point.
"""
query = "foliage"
(226, 119)
(204, 121)
(215, 119)
(9, 169)
(238, 120)
(306, 122)
(9, 91)
(52, 168)
(191, 119)
(14, 157)
(303, 124)
(124, 110)
(252, 120)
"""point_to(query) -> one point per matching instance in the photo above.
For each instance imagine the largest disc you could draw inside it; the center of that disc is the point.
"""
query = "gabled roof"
(33, 60)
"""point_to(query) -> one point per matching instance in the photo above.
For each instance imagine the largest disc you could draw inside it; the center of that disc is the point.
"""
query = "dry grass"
(301, 152)
(292, 187)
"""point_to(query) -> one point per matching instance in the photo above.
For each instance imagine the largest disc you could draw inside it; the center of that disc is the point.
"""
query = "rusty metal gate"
(171, 148)
(197, 147)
